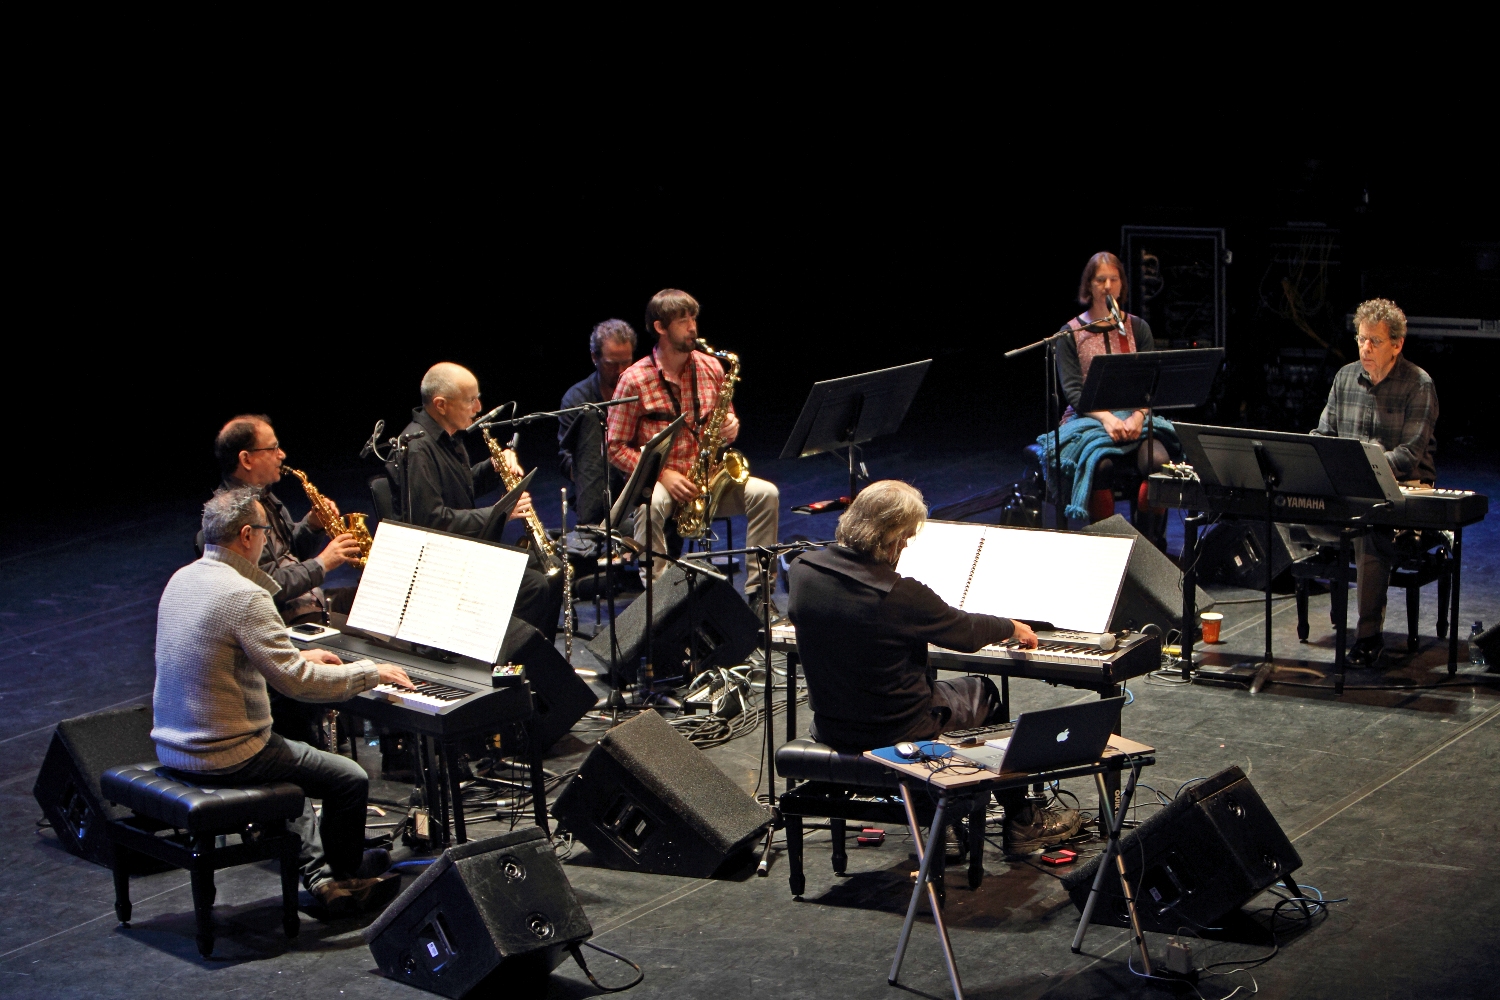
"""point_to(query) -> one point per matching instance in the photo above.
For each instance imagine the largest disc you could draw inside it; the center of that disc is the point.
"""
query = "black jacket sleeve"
(917, 611)
(428, 508)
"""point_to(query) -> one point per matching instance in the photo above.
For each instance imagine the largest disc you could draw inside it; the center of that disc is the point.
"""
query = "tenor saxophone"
(552, 562)
(334, 523)
(713, 472)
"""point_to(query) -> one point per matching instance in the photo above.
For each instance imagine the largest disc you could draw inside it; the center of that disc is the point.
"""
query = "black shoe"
(1366, 652)
(1036, 829)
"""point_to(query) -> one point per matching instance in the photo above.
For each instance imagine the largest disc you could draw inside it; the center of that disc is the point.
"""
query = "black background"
(169, 292)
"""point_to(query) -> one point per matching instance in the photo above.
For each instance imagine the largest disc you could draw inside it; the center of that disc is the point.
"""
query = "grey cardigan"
(219, 641)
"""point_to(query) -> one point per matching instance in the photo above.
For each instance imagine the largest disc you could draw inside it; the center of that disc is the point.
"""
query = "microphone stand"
(1053, 419)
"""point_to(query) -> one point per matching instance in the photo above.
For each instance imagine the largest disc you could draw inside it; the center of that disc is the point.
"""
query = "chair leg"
(840, 857)
(1413, 611)
(1302, 626)
(122, 886)
(794, 854)
(203, 909)
(291, 923)
(1445, 581)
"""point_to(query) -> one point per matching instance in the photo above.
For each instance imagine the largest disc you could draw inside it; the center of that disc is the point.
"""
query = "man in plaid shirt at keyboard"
(675, 379)
(1385, 399)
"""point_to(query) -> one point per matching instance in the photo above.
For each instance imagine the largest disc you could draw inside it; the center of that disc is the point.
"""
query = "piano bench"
(1434, 563)
(848, 786)
(183, 824)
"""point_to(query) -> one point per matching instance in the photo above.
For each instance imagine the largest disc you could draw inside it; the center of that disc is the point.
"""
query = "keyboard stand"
(956, 789)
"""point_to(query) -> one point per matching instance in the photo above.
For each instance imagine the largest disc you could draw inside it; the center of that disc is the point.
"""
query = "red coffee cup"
(1211, 621)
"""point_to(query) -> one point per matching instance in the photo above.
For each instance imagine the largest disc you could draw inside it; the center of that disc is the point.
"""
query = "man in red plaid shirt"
(676, 379)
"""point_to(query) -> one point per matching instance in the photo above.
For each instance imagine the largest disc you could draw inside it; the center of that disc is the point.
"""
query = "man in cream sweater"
(219, 642)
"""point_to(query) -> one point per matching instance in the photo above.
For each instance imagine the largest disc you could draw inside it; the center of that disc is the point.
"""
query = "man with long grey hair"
(219, 642)
(862, 634)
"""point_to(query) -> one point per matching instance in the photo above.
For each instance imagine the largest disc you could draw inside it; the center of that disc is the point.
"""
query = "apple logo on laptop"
(1062, 737)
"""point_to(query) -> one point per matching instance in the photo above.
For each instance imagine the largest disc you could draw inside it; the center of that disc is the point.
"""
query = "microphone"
(412, 435)
(1114, 312)
(369, 447)
(488, 416)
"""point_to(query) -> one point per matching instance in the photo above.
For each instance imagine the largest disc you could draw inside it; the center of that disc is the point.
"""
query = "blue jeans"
(333, 847)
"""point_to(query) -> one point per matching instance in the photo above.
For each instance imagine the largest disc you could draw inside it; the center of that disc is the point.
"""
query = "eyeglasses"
(263, 527)
(1361, 339)
(273, 446)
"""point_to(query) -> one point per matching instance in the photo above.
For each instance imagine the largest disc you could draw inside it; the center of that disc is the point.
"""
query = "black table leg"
(1189, 632)
(456, 790)
(791, 705)
(538, 783)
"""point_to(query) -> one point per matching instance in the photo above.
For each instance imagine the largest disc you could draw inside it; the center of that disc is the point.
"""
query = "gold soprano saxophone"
(336, 524)
(552, 562)
(712, 473)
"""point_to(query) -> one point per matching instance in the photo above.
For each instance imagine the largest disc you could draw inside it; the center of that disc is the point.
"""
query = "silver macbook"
(1051, 739)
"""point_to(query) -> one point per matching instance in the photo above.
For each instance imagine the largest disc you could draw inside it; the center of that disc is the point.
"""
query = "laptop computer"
(1051, 739)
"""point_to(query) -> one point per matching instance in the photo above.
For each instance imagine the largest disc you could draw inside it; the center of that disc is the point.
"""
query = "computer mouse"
(907, 750)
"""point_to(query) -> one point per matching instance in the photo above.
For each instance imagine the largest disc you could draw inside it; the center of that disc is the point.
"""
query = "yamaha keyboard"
(1437, 509)
(1089, 660)
(451, 700)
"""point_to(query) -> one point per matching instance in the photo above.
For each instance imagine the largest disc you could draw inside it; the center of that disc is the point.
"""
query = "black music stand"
(638, 490)
(848, 412)
(494, 525)
(1150, 380)
(1281, 463)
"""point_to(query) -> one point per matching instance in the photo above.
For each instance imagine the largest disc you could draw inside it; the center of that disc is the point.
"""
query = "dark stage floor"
(1391, 797)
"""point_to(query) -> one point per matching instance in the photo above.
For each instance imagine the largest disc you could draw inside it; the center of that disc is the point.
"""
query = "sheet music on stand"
(1067, 578)
(437, 589)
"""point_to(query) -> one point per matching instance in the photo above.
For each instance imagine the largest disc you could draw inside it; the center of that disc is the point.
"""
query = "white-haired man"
(862, 635)
(444, 483)
(1385, 399)
(219, 642)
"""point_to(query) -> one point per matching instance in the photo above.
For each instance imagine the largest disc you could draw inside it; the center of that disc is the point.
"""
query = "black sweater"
(862, 635)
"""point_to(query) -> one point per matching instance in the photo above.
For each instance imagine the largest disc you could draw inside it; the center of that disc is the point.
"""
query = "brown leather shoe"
(345, 897)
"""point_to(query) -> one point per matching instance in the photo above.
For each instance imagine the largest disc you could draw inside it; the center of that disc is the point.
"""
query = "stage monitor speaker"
(560, 695)
(647, 800)
(1152, 591)
(488, 918)
(67, 786)
(1234, 552)
(1214, 848)
(707, 624)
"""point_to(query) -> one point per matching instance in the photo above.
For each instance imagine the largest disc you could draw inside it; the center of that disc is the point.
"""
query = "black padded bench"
(845, 786)
(181, 823)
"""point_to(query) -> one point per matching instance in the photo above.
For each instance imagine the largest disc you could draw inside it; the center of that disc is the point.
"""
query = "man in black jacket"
(862, 635)
(579, 436)
(444, 483)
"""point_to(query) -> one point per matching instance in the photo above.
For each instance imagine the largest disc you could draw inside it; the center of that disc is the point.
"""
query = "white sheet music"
(1067, 578)
(439, 590)
(942, 556)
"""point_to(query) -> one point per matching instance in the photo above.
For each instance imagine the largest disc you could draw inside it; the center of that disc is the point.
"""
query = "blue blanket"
(1084, 443)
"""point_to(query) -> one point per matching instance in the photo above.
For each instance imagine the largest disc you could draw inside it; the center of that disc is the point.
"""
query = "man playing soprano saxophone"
(444, 483)
(676, 379)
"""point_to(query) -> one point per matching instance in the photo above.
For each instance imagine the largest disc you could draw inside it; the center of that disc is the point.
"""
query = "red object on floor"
(1141, 504)
(1101, 505)
(870, 837)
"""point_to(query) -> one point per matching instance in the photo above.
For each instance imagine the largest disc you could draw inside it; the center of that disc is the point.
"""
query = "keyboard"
(1090, 660)
(451, 700)
(1440, 509)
